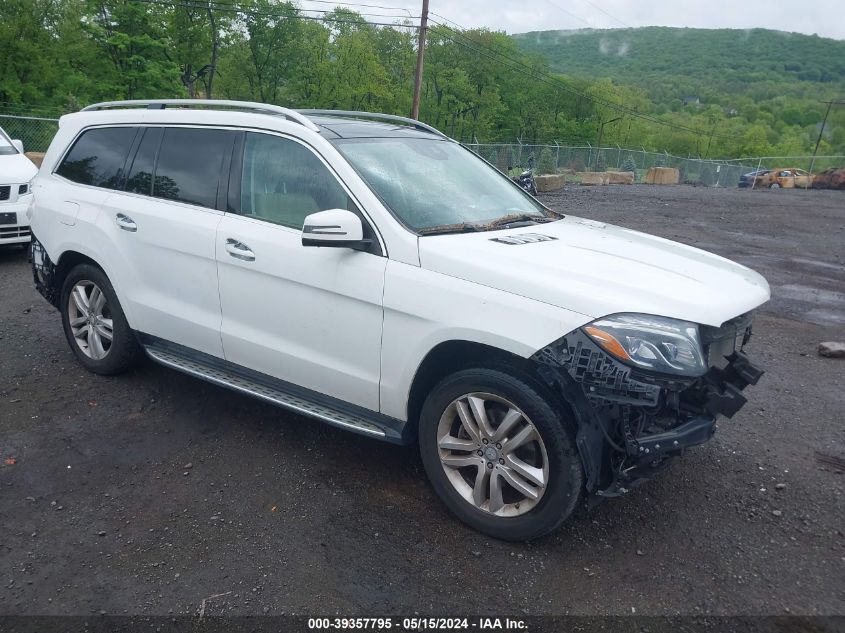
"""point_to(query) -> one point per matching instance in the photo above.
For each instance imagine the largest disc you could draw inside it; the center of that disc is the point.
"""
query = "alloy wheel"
(90, 319)
(492, 454)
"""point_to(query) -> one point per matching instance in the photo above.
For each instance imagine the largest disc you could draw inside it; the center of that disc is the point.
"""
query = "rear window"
(98, 157)
(189, 164)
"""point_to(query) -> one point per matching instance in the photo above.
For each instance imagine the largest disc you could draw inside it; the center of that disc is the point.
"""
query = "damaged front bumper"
(631, 422)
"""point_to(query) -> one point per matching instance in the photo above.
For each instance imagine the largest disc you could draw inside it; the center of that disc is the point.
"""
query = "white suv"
(366, 270)
(16, 174)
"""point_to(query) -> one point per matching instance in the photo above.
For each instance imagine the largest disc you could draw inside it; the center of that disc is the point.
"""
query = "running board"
(286, 395)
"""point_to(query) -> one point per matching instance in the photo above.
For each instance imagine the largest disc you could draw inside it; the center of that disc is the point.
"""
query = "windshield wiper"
(462, 227)
(514, 218)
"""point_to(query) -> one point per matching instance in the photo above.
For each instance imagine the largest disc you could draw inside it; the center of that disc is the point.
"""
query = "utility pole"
(415, 107)
(821, 131)
(601, 133)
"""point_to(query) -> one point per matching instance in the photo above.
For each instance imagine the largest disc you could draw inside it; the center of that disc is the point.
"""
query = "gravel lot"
(150, 492)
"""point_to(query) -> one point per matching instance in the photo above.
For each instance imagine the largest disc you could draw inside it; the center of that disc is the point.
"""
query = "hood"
(598, 269)
(16, 169)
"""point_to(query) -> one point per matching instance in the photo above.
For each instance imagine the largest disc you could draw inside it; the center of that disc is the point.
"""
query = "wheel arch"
(450, 356)
(59, 270)
(69, 260)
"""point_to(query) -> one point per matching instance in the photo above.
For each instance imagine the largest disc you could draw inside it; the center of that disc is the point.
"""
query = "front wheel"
(774, 185)
(500, 452)
(94, 323)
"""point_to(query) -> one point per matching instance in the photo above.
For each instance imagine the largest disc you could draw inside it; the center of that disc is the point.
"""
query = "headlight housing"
(649, 342)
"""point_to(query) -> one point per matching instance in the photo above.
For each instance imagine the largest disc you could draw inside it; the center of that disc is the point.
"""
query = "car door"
(802, 178)
(163, 225)
(786, 179)
(305, 315)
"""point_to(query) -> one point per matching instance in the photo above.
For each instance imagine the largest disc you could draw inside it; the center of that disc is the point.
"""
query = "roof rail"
(377, 117)
(160, 104)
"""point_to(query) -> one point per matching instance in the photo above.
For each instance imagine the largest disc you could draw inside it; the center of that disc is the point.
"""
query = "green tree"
(546, 164)
(132, 37)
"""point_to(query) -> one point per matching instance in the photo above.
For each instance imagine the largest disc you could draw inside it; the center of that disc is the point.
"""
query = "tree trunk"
(189, 81)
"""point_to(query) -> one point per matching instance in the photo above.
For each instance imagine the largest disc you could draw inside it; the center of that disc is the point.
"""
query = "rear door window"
(189, 164)
(98, 157)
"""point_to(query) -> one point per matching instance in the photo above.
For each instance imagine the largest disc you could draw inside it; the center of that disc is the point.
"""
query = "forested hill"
(714, 65)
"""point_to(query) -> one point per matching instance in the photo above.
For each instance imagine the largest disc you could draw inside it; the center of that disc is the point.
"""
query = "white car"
(366, 270)
(16, 174)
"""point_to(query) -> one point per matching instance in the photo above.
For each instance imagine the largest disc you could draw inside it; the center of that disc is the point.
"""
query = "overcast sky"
(824, 17)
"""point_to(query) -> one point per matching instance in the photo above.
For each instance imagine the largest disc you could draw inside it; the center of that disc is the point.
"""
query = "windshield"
(430, 183)
(6, 146)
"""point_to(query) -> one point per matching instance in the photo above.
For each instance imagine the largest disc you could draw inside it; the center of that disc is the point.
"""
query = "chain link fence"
(544, 159)
(36, 132)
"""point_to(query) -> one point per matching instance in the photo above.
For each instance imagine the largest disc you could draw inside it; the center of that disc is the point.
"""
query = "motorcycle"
(526, 181)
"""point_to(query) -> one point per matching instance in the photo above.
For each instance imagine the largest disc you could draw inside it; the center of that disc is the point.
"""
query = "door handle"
(126, 223)
(239, 250)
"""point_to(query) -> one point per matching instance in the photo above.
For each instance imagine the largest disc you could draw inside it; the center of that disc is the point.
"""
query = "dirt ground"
(155, 493)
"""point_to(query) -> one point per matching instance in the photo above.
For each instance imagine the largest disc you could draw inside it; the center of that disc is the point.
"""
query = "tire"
(774, 185)
(106, 357)
(505, 393)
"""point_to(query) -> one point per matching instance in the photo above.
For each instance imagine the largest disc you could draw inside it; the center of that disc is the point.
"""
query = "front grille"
(14, 231)
(5, 191)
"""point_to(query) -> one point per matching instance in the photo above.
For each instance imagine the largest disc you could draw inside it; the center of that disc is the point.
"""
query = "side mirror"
(18, 145)
(336, 227)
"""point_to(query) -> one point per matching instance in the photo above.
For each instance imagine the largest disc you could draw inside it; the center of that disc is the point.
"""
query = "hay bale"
(593, 177)
(550, 182)
(663, 176)
(35, 157)
(620, 177)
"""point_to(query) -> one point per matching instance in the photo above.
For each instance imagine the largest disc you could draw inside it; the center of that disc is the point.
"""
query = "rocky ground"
(155, 493)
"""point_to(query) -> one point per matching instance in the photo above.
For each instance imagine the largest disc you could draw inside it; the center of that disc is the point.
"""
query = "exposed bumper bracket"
(690, 433)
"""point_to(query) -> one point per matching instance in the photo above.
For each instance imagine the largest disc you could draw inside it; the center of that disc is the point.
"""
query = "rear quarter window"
(98, 157)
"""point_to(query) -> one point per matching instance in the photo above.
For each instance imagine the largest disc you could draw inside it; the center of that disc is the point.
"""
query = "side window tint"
(140, 178)
(284, 181)
(98, 157)
(189, 164)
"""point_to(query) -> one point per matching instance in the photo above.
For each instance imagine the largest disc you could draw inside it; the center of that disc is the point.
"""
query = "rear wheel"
(500, 453)
(774, 185)
(94, 323)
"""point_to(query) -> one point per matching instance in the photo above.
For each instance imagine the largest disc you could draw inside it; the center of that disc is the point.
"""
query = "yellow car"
(787, 178)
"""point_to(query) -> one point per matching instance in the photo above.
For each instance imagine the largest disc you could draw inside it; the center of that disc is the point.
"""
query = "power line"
(610, 15)
(558, 83)
(357, 4)
(462, 40)
(559, 8)
(232, 8)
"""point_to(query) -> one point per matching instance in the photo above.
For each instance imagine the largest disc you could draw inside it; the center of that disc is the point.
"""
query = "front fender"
(423, 309)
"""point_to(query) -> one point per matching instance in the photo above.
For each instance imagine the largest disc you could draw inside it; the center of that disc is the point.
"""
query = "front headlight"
(651, 342)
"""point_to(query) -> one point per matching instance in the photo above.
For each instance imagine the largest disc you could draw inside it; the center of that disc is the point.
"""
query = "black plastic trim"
(395, 431)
